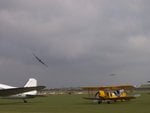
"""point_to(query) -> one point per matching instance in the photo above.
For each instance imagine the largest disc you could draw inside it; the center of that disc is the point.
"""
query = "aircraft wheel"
(99, 102)
(25, 101)
(108, 102)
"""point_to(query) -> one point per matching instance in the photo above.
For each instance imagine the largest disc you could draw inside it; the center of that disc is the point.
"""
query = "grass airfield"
(74, 104)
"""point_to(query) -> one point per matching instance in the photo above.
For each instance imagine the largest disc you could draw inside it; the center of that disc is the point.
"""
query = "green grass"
(74, 104)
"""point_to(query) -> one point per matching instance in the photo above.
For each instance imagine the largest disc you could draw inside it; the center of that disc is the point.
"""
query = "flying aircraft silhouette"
(112, 74)
(39, 60)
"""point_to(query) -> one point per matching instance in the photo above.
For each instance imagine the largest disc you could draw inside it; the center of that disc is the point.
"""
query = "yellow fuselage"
(111, 94)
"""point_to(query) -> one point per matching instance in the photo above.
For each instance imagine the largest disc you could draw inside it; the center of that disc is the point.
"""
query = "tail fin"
(32, 82)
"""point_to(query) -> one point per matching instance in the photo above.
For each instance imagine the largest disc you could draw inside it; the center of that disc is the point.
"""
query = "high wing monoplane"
(109, 93)
(28, 91)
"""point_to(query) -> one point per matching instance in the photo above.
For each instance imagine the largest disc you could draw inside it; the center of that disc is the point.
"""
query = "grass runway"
(74, 104)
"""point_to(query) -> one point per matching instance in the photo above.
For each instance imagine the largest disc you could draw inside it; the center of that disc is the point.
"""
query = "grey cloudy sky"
(82, 42)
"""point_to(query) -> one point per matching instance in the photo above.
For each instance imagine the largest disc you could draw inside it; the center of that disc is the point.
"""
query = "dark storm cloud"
(83, 42)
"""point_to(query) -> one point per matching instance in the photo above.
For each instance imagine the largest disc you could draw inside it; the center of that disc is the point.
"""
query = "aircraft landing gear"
(99, 102)
(99, 98)
(25, 101)
(108, 102)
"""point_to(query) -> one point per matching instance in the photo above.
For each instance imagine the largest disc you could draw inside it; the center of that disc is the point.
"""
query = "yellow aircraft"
(109, 93)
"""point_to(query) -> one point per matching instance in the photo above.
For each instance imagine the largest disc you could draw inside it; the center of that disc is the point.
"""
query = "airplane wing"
(90, 98)
(14, 91)
(121, 98)
(117, 98)
(95, 88)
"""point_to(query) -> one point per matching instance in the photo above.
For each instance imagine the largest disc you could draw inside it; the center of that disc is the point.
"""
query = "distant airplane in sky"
(39, 60)
(112, 74)
(28, 91)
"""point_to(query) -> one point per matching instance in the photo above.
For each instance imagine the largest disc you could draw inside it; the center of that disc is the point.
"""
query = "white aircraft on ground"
(28, 91)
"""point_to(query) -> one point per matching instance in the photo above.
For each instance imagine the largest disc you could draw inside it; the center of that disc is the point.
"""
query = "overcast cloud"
(81, 41)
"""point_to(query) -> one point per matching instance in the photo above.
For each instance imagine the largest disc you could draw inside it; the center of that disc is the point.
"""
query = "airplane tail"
(32, 82)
